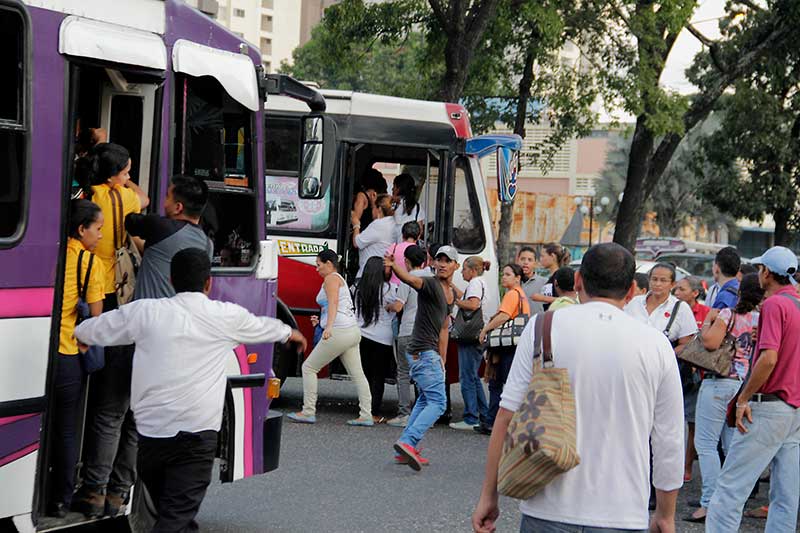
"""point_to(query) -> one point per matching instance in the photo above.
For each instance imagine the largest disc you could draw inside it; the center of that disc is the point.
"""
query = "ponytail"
(82, 213)
(407, 190)
(102, 162)
(563, 256)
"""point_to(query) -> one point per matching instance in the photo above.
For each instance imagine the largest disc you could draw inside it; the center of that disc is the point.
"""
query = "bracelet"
(742, 404)
(356, 226)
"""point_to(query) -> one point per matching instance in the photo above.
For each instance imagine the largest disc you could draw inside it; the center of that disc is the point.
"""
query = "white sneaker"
(463, 426)
(398, 421)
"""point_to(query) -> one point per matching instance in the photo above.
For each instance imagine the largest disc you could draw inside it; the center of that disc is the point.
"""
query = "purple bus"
(185, 96)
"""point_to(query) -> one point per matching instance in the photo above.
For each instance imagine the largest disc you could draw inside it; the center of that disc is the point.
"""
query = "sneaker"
(463, 426)
(403, 460)
(398, 421)
(115, 503)
(300, 418)
(412, 457)
(366, 422)
(483, 429)
(90, 503)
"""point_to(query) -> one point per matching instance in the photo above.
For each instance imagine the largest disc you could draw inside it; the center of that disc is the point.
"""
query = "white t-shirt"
(380, 331)
(683, 325)
(401, 217)
(182, 346)
(374, 241)
(476, 288)
(627, 391)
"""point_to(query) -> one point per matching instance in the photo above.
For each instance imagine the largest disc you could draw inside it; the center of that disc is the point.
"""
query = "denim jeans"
(427, 373)
(774, 436)
(469, 362)
(535, 525)
(496, 384)
(111, 438)
(709, 428)
(403, 377)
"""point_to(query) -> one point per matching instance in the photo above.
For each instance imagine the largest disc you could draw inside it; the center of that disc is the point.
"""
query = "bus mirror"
(311, 186)
(507, 168)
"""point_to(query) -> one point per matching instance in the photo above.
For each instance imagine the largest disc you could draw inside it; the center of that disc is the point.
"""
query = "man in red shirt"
(767, 414)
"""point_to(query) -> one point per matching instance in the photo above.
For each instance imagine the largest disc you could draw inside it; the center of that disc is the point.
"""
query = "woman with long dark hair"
(553, 257)
(407, 207)
(716, 390)
(84, 232)
(373, 295)
(499, 360)
(340, 338)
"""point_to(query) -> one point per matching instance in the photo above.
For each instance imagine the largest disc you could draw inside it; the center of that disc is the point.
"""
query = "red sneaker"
(402, 460)
(410, 454)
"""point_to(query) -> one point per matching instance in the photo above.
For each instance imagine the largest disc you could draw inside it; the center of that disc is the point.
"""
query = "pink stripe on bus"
(17, 303)
(244, 368)
(19, 454)
(10, 419)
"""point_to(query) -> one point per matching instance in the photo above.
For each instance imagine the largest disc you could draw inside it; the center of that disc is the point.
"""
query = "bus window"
(13, 124)
(213, 142)
(285, 210)
(467, 231)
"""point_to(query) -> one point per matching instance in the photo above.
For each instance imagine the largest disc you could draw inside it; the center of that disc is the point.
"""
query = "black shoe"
(58, 510)
(694, 520)
(115, 504)
(90, 503)
(483, 429)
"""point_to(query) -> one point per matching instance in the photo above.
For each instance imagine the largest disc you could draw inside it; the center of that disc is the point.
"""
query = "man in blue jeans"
(767, 409)
(427, 349)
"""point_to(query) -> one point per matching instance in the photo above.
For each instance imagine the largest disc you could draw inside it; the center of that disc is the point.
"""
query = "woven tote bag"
(540, 443)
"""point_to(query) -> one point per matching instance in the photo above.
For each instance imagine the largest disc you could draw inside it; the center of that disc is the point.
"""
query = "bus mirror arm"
(281, 84)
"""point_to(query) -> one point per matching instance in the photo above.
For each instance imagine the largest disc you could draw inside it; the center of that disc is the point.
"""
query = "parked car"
(644, 267)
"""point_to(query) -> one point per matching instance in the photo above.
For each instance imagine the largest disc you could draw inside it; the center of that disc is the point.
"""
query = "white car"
(643, 267)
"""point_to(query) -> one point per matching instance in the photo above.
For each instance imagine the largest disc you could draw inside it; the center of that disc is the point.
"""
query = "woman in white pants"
(340, 338)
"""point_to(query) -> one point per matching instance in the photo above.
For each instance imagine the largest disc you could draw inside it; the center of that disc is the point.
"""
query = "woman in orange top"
(85, 224)
(103, 173)
(499, 361)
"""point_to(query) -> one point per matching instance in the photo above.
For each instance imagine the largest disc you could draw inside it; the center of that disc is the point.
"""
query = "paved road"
(335, 478)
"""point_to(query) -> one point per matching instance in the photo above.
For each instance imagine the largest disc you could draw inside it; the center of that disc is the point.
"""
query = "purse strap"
(116, 213)
(672, 318)
(84, 288)
(542, 329)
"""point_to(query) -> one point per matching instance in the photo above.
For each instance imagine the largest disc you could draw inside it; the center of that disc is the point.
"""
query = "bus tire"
(283, 361)
(143, 513)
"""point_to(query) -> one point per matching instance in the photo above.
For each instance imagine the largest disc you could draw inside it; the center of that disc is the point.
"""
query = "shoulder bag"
(541, 441)
(126, 256)
(467, 325)
(718, 360)
(94, 358)
(510, 332)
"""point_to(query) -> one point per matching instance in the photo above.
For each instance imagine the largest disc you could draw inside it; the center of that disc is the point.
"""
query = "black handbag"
(94, 358)
(509, 333)
(467, 325)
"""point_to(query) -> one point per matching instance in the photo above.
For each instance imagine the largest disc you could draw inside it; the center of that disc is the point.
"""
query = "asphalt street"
(338, 479)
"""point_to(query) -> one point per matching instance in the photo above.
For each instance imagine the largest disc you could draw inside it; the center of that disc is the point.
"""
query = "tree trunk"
(631, 209)
(504, 247)
(457, 59)
(781, 235)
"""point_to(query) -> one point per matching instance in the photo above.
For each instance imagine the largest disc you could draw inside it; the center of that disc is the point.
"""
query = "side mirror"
(507, 169)
(311, 186)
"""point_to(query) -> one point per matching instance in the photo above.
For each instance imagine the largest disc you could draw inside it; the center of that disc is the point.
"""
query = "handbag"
(509, 333)
(718, 360)
(467, 325)
(541, 440)
(94, 358)
(127, 258)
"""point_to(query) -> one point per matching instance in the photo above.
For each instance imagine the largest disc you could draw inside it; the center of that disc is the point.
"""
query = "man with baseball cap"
(427, 348)
(768, 408)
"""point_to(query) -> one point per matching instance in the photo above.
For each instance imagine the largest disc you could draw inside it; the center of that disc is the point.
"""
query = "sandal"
(759, 512)
(379, 419)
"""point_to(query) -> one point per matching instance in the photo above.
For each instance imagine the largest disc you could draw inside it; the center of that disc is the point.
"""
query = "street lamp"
(592, 210)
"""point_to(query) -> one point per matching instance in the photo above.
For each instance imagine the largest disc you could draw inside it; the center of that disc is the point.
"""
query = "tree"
(628, 43)
(751, 164)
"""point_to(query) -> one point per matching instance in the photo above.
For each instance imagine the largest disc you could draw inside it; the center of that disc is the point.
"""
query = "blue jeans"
(535, 525)
(469, 362)
(774, 436)
(427, 373)
(709, 428)
(496, 384)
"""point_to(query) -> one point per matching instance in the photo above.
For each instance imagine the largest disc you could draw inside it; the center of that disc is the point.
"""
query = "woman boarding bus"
(142, 72)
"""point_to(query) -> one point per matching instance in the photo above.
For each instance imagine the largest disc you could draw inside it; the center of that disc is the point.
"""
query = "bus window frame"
(23, 123)
(462, 162)
(329, 231)
(220, 187)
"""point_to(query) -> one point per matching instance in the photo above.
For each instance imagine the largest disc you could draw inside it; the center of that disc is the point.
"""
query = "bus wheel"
(283, 361)
(143, 514)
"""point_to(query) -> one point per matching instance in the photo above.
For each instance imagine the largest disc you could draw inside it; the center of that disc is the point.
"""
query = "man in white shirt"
(376, 238)
(627, 397)
(178, 381)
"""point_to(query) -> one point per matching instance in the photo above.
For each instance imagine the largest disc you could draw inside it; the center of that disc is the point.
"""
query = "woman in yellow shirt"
(85, 223)
(103, 174)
